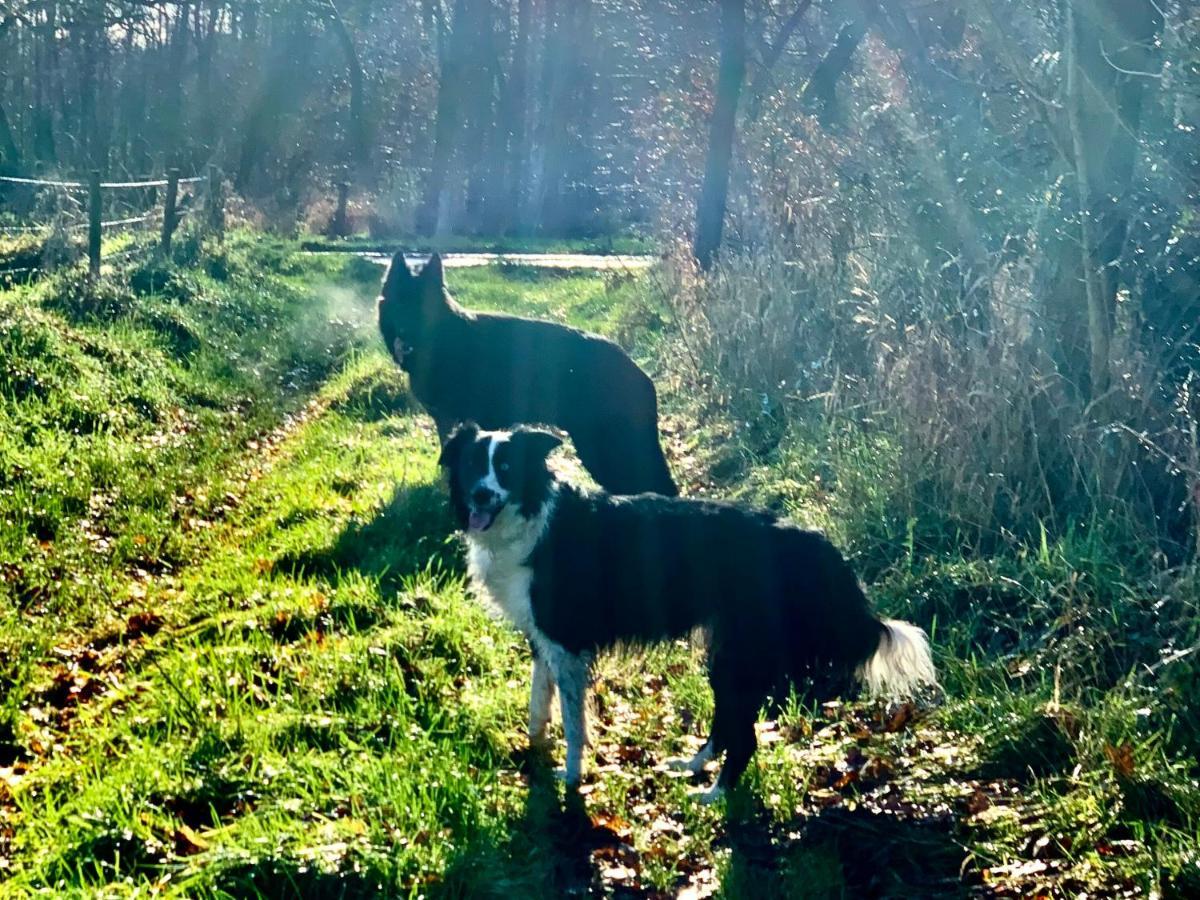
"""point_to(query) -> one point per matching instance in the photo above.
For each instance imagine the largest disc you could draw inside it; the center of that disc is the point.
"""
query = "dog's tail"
(901, 665)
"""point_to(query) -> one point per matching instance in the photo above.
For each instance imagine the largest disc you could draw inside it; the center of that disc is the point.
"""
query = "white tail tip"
(902, 665)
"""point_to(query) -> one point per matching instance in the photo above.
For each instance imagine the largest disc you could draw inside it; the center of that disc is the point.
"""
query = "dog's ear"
(534, 443)
(397, 276)
(464, 434)
(432, 273)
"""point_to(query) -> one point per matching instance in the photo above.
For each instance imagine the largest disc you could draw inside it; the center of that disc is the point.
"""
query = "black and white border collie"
(578, 573)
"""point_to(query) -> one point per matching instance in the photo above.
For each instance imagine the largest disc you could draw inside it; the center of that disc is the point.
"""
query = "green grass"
(239, 658)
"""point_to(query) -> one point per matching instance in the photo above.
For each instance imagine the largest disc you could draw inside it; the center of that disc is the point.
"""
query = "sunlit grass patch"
(603, 302)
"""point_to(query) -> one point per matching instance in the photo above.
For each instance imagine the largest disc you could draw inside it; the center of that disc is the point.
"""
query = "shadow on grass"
(411, 533)
(843, 853)
(546, 853)
(1034, 746)
(556, 850)
(285, 878)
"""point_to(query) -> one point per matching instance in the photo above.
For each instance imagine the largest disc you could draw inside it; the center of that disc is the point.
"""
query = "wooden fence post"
(169, 218)
(216, 202)
(94, 223)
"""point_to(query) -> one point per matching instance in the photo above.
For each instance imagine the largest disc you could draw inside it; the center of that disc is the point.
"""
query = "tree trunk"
(358, 134)
(448, 123)
(206, 44)
(284, 86)
(45, 147)
(710, 213)
(1111, 50)
(484, 138)
(545, 101)
(566, 105)
(43, 125)
(173, 107)
(87, 88)
(820, 92)
(771, 56)
(518, 135)
(10, 156)
(1099, 321)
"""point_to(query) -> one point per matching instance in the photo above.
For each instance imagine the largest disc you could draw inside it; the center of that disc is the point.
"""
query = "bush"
(80, 298)
(930, 423)
(360, 270)
(989, 434)
(157, 276)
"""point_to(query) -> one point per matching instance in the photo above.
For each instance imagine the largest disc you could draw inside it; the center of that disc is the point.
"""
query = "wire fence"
(69, 213)
(105, 185)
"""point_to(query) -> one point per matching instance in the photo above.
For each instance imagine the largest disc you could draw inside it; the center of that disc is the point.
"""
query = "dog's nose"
(482, 496)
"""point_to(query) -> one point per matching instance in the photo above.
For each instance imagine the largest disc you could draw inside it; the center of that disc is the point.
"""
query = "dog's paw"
(708, 797)
(682, 764)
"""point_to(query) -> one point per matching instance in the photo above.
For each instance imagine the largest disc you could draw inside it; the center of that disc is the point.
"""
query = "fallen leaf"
(977, 803)
(845, 781)
(1121, 758)
(876, 769)
(617, 872)
(1120, 848)
(901, 717)
(633, 754)
(143, 623)
(612, 823)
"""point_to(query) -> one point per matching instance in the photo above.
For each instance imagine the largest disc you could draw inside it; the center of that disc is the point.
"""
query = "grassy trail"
(320, 705)
(311, 705)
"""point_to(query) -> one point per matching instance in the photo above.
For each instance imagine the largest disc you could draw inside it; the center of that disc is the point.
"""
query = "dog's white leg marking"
(710, 796)
(540, 697)
(571, 673)
(696, 764)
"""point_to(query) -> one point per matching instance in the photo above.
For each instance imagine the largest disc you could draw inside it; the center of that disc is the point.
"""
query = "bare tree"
(710, 212)
(358, 131)
(1112, 53)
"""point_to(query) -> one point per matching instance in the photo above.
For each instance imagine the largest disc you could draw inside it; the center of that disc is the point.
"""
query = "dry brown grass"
(964, 378)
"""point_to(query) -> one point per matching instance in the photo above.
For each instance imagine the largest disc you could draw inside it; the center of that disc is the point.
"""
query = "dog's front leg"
(540, 697)
(696, 764)
(571, 673)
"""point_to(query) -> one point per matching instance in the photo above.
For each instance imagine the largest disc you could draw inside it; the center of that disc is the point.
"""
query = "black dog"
(579, 573)
(501, 370)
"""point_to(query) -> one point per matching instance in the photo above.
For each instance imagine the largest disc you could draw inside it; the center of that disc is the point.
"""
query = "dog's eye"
(503, 467)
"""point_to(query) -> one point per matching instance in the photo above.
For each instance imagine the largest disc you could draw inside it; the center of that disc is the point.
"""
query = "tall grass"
(931, 427)
(1047, 541)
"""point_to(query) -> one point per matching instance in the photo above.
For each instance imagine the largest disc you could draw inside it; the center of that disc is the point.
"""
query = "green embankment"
(238, 657)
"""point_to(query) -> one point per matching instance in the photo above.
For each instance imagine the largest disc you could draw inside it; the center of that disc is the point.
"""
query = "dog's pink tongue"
(478, 521)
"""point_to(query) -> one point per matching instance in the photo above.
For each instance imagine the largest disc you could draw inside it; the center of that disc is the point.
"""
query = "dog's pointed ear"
(433, 270)
(534, 443)
(464, 434)
(397, 275)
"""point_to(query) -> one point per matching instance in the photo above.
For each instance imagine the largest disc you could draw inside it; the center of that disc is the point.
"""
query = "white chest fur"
(497, 564)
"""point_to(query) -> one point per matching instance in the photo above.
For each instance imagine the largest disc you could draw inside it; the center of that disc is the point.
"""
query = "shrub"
(988, 430)
(81, 298)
